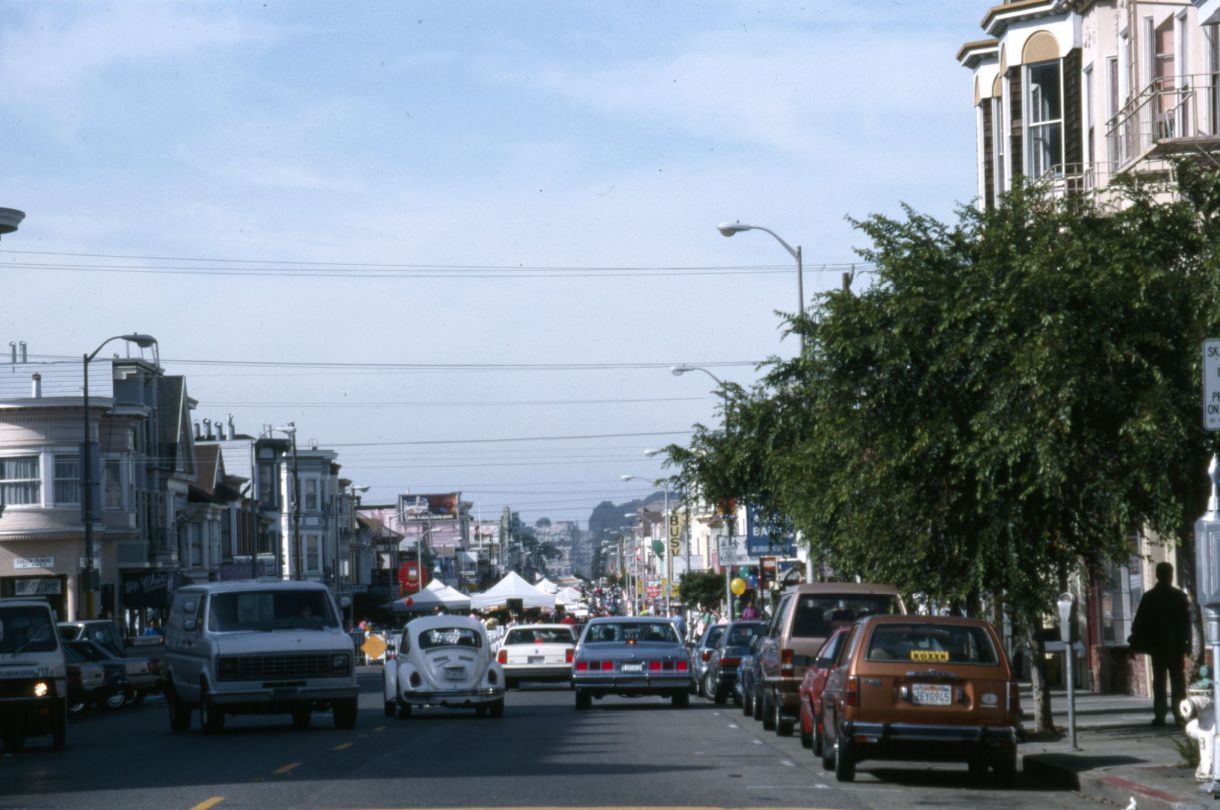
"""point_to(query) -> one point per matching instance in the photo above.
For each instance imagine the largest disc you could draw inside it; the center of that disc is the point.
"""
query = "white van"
(33, 674)
(257, 647)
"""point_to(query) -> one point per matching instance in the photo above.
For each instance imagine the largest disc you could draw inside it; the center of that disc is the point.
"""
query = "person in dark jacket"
(1162, 630)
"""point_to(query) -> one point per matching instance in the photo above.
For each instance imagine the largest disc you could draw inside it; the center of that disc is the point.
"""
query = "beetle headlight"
(41, 689)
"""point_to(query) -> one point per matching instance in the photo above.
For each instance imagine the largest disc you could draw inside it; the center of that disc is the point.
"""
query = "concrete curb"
(1105, 784)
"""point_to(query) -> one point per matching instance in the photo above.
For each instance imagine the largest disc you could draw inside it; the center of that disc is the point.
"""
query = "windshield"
(450, 637)
(742, 634)
(88, 651)
(270, 610)
(632, 633)
(26, 629)
(713, 635)
(539, 635)
(817, 616)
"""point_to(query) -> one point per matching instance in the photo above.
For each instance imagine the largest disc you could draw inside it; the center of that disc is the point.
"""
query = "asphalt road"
(542, 753)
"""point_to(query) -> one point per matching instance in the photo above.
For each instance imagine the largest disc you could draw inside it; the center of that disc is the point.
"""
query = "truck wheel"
(845, 759)
(300, 718)
(583, 699)
(345, 713)
(179, 712)
(390, 708)
(768, 713)
(496, 708)
(135, 697)
(211, 717)
(783, 725)
(681, 700)
(404, 711)
(115, 700)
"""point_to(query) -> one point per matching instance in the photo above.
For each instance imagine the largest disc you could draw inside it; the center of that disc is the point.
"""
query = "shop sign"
(43, 586)
(33, 562)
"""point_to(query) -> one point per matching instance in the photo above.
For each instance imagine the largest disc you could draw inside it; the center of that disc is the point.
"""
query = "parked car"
(702, 653)
(627, 656)
(445, 661)
(925, 688)
(137, 678)
(33, 674)
(804, 618)
(115, 686)
(106, 634)
(258, 647)
(86, 682)
(811, 689)
(720, 678)
(749, 683)
(537, 652)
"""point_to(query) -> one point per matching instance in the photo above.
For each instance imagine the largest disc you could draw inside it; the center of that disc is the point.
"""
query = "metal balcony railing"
(1174, 111)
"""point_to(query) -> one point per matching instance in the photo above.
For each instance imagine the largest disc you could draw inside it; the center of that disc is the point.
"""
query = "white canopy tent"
(512, 586)
(422, 602)
(546, 586)
(452, 597)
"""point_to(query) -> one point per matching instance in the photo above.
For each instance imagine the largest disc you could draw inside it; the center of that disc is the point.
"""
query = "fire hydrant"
(1200, 714)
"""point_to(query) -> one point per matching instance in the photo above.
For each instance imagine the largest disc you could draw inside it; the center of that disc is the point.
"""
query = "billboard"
(445, 506)
(765, 539)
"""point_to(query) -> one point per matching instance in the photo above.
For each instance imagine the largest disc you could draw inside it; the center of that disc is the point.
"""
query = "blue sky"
(475, 187)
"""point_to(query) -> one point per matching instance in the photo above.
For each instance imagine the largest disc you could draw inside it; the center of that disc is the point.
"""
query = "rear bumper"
(453, 698)
(868, 733)
(634, 685)
(538, 672)
(282, 698)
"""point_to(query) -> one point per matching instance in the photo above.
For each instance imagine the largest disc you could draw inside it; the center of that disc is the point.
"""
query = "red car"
(811, 690)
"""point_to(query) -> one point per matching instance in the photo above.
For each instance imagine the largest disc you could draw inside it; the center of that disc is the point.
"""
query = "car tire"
(115, 700)
(300, 717)
(768, 713)
(709, 686)
(845, 759)
(756, 706)
(13, 743)
(78, 707)
(480, 711)
(746, 708)
(783, 725)
(404, 711)
(819, 742)
(135, 697)
(681, 700)
(211, 717)
(390, 708)
(828, 751)
(496, 708)
(1004, 764)
(59, 728)
(179, 712)
(583, 699)
(345, 712)
(806, 736)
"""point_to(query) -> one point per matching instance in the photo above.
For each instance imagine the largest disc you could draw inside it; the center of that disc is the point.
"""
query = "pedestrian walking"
(1161, 629)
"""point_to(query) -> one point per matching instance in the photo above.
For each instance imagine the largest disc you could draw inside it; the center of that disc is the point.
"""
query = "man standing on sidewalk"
(1162, 630)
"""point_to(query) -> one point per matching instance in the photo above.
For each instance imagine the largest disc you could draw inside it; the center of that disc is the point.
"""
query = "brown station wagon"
(924, 688)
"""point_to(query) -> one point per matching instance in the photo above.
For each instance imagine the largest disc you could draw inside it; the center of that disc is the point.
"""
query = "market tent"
(452, 597)
(424, 601)
(569, 596)
(546, 586)
(512, 586)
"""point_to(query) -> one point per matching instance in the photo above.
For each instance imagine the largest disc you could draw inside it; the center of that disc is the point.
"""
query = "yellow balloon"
(737, 586)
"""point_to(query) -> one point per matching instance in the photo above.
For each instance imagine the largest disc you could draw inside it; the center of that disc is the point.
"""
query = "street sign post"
(1211, 384)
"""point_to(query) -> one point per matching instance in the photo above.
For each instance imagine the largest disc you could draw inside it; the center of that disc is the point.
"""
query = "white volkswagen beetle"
(444, 661)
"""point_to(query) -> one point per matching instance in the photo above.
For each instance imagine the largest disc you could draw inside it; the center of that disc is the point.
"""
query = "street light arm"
(678, 371)
(143, 341)
(793, 252)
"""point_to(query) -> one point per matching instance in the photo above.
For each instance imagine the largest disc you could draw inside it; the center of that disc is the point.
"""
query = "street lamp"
(290, 430)
(88, 587)
(669, 557)
(10, 218)
(731, 228)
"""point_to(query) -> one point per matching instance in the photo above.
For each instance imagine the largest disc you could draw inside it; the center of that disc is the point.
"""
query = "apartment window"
(112, 484)
(999, 144)
(313, 554)
(20, 481)
(1044, 103)
(311, 494)
(194, 535)
(67, 479)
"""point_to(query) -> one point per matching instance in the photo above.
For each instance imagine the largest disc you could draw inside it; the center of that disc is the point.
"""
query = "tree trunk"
(1037, 675)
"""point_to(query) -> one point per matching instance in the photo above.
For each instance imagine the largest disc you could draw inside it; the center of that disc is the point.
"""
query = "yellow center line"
(206, 804)
(341, 746)
(290, 766)
(379, 728)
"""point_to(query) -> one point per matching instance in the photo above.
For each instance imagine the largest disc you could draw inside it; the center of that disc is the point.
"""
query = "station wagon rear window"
(818, 615)
(630, 633)
(449, 637)
(931, 644)
(540, 635)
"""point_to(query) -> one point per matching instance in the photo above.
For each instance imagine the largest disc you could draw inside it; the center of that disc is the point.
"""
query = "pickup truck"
(105, 633)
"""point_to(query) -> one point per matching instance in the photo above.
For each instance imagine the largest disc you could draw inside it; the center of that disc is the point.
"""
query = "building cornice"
(973, 53)
(998, 18)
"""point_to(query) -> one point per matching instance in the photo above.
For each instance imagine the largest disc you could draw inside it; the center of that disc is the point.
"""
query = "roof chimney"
(220, 430)
(207, 428)
(37, 378)
(12, 345)
(232, 428)
(198, 434)
(24, 359)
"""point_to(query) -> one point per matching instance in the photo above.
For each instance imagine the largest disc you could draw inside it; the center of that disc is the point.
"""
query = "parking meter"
(1207, 559)
(1067, 619)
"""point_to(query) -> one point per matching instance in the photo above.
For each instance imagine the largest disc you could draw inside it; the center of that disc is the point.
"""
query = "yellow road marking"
(209, 803)
(290, 766)
(379, 728)
(341, 746)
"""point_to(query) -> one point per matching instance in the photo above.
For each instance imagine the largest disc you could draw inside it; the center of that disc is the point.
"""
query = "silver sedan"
(631, 657)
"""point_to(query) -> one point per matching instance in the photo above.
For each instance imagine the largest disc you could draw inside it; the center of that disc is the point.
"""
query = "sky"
(462, 243)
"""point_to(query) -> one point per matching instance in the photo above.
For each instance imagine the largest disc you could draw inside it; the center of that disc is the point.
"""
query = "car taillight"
(567, 655)
(852, 695)
(786, 669)
(607, 666)
(729, 662)
(502, 657)
(707, 655)
(582, 666)
(683, 665)
(654, 666)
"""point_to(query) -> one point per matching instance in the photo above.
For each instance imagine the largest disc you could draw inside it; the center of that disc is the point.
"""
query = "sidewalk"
(1120, 755)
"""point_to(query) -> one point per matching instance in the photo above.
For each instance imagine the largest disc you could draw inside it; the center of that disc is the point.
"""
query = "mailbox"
(1067, 620)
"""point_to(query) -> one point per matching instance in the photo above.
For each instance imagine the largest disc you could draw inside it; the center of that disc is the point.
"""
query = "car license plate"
(931, 695)
(632, 667)
(536, 659)
(455, 673)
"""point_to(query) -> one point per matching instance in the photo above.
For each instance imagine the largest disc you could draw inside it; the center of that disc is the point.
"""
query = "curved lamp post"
(89, 586)
(732, 228)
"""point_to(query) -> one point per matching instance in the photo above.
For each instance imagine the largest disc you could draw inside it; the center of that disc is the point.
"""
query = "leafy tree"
(702, 588)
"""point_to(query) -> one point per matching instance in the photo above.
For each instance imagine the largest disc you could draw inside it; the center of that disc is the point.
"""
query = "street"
(542, 753)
